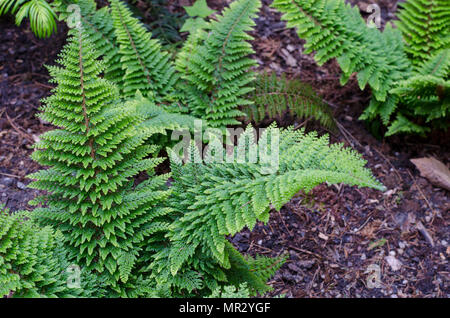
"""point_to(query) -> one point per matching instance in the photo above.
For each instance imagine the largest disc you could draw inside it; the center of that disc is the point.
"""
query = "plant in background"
(42, 15)
(334, 29)
(275, 97)
(214, 66)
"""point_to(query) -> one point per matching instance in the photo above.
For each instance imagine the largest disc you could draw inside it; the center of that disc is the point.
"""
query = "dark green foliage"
(92, 160)
(425, 27)
(215, 66)
(147, 67)
(41, 14)
(33, 261)
(427, 93)
(334, 29)
(275, 97)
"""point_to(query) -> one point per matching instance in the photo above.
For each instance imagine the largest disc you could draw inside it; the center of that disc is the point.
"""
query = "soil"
(338, 237)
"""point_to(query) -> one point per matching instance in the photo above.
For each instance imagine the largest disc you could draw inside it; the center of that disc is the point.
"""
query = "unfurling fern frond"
(41, 15)
(275, 97)
(33, 262)
(93, 158)
(216, 68)
(425, 29)
(147, 67)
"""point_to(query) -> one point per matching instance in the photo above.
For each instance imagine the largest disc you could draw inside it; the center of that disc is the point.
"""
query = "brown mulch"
(335, 235)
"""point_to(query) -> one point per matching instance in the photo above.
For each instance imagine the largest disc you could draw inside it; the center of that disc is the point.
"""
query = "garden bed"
(332, 236)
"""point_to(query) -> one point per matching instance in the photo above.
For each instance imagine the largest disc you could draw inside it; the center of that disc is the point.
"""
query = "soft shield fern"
(33, 262)
(215, 199)
(215, 66)
(391, 62)
(147, 67)
(424, 26)
(93, 158)
(98, 26)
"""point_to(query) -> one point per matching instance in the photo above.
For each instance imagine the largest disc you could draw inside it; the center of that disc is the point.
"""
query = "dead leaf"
(434, 170)
(394, 263)
(323, 236)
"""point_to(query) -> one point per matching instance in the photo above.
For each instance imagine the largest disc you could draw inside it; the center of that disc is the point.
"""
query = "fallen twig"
(421, 228)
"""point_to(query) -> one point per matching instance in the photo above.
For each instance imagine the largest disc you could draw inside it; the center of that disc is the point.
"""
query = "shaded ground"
(335, 234)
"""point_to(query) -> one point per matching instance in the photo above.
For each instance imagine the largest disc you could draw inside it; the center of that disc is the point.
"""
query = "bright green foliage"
(33, 262)
(216, 68)
(199, 9)
(98, 25)
(93, 159)
(427, 93)
(41, 15)
(147, 67)
(213, 200)
(334, 29)
(231, 292)
(425, 27)
(275, 97)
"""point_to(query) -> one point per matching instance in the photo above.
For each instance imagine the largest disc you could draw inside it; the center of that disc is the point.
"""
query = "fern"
(231, 292)
(147, 68)
(92, 160)
(217, 199)
(424, 25)
(215, 66)
(427, 93)
(42, 15)
(275, 97)
(399, 85)
(98, 26)
(33, 262)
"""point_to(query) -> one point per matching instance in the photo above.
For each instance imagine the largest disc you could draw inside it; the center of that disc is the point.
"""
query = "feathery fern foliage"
(98, 26)
(215, 66)
(275, 97)
(213, 200)
(336, 30)
(92, 159)
(147, 67)
(41, 14)
(427, 93)
(33, 262)
(424, 25)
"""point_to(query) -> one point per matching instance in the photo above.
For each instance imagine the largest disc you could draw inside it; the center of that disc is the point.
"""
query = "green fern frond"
(147, 67)
(275, 97)
(33, 262)
(217, 199)
(93, 158)
(215, 66)
(98, 26)
(424, 25)
(41, 15)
